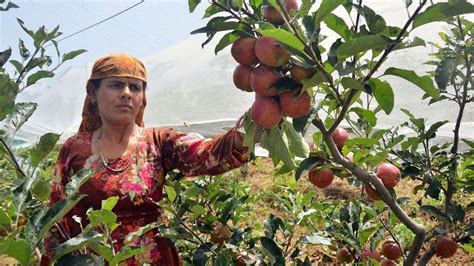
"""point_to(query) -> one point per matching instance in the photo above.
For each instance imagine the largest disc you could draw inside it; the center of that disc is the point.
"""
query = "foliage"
(345, 89)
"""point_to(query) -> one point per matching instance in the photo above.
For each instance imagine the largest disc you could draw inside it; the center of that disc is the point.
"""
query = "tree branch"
(364, 176)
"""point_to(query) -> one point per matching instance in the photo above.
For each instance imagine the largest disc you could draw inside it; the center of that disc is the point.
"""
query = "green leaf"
(274, 250)
(432, 210)
(365, 114)
(468, 142)
(285, 37)
(226, 40)
(174, 232)
(41, 74)
(76, 243)
(362, 44)
(101, 250)
(18, 66)
(4, 219)
(41, 191)
(43, 148)
(316, 239)
(18, 249)
(171, 193)
(109, 203)
(280, 147)
(338, 25)
(350, 83)
(125, 253)
(9, 5)
(139, 232)
(80, 260)
(326, 7)
(99, 217)
(431, 133)
(383, 93)
(375, 22)
(249, 136)
(443, 11)
(424, 82)
(192, 4)
(4, 56)
(73, 54)
(444, 71)
(77, 180)
(20, 114)
(53, 215)
(28, 31)
(298, 145)
(211, 10)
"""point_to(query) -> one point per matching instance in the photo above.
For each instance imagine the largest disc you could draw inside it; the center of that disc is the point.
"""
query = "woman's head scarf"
(112, 65)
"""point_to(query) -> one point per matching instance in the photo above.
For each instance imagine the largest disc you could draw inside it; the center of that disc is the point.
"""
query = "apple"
(220, 234)
(391, 250)
(343, 255)
(243, 51)
(389, 174)
(241, 77)
(321, 177)
(298, 73)
(445, 247)
(295, 105)
(272, 15)
(266, 112)
(340, 135)
(262, 79)
(270, 52)
(371, 193)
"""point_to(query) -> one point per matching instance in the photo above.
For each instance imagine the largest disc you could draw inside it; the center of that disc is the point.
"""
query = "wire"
(100, 22)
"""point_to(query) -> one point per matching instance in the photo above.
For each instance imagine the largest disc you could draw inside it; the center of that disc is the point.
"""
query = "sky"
(141, 31)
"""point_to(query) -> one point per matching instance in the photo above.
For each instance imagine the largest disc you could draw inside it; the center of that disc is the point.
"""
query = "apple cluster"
(262, 63)
(386, 172)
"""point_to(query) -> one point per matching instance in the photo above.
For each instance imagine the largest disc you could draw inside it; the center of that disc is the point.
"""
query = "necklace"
(123, 164)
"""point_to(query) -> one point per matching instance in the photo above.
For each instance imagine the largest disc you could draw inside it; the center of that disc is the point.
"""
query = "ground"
(261, 178)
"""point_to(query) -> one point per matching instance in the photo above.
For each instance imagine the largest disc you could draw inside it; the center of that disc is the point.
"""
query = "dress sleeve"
(196, 156)
(61, 173)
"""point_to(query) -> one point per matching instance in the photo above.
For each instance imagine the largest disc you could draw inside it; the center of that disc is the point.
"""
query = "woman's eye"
(135, 87)
(116, 85)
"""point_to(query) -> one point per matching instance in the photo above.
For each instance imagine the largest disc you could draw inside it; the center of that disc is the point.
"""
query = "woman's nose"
(126, 92)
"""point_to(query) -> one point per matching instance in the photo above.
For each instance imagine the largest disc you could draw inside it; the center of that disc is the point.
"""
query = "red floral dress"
(157, 152)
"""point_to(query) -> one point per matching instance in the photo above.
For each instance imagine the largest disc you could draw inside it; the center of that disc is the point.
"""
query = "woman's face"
(119, 99)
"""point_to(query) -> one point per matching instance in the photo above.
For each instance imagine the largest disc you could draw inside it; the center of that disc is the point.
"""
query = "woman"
(130, 161)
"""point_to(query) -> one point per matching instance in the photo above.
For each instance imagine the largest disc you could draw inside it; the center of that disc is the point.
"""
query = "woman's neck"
(117, 134)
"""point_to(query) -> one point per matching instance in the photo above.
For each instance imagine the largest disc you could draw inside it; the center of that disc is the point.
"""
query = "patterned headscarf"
(112, 65)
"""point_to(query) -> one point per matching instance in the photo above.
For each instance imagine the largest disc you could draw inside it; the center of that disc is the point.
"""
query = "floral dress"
(157, 152)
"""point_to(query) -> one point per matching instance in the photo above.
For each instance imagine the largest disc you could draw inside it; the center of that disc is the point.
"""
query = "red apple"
(321, 177)
(445, 247)
(385, 262)
(273, 16)
(270, 52)
(389, 174)
(242, 77)
(243, 51)
(343, 255)
(262, 79)
(371, 193)
(295, 105)
(298, 73)
(391, 250)
(340, 135)
(266, 112)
